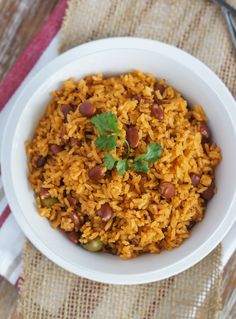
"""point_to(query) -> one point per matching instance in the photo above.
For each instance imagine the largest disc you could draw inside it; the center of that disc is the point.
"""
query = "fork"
(229, 14)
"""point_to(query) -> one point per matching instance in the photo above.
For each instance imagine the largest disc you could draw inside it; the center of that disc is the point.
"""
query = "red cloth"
(26, 62)
(31, 54)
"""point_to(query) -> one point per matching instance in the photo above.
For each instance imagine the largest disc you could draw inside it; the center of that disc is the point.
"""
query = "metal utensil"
(230, 15)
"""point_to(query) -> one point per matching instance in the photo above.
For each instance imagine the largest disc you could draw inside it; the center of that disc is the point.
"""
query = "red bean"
(132, 136)
(55, 149)
(66, 109)
(73, 236)
(105, 212)
(73, 141)
(71, 200)
(44, 192)
(41, 161)
(75, 219)
(195, 178)
(87, 109)
(159, 87)
(209, 192)
(205, 131)
(157, 112)
(191, 225)
(97, 173)
(167, 190)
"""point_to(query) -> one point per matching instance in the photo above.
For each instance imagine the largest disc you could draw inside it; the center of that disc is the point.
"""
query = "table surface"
(20, 20)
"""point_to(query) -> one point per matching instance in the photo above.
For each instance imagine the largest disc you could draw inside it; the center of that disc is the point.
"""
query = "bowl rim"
(68, 57)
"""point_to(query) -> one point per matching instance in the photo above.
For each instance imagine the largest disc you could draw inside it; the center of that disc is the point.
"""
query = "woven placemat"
(46, 290)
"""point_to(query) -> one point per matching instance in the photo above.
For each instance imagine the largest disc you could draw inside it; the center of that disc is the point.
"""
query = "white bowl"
(117, 55)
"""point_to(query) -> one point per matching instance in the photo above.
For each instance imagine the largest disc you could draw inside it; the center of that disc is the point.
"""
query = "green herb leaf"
(141, 166)
(153, 153)
(106, 122)
(106, 142)
(122, 166)
(110, 161)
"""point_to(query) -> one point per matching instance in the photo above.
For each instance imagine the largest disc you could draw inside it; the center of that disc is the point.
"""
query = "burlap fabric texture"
(46, 290)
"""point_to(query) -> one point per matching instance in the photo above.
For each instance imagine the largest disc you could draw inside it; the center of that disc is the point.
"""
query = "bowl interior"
(194, 88)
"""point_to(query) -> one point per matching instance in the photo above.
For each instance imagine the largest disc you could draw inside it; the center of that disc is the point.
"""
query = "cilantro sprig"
(122, 165)
(140, 162)
(153, 153)
(107, 126)
(141, 166)
(106, 142)
(109, 161)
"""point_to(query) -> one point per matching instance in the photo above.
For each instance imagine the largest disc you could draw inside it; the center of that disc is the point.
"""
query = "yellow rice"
(143, 221)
